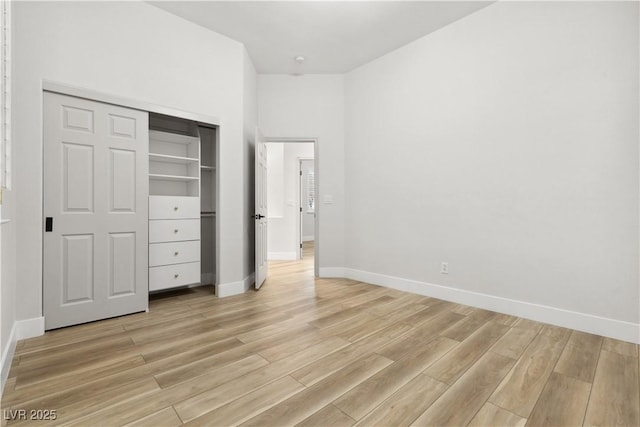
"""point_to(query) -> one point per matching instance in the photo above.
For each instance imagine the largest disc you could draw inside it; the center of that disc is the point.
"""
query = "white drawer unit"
(173, 252)
(174, 207)
(173, 230)
(171, 276)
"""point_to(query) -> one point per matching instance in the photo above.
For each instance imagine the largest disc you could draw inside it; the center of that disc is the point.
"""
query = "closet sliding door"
(95, 209)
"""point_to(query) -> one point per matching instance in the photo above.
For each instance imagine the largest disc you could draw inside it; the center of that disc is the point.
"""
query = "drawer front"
(173, 253)
(170, 276)
(173, 207)
(173, 230)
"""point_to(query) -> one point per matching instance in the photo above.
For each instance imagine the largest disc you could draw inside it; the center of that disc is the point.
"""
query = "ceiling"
(333, 36)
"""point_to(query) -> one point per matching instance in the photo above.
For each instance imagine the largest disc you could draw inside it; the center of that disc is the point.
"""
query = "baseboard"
(235, 288)
(7, 358)
(249, 281)
(308, 238)
(282, 256)
(329, 272)
(625, 331)
(29, 328)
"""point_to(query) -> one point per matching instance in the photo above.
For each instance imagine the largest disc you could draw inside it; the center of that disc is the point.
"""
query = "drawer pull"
(175, 276)
(175, 208)
(176, 253)
(175, 231)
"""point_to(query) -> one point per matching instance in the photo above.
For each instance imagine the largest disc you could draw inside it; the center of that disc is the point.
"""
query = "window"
(5, 94)
(311, 192)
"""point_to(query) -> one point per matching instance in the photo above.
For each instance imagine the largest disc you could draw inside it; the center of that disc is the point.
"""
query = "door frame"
(316, 167)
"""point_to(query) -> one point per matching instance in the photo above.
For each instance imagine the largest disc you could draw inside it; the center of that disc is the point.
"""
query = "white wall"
(505, 144)
(282, 230)
(133, 50)
(275, 179)
(312, 106)
(308, 221)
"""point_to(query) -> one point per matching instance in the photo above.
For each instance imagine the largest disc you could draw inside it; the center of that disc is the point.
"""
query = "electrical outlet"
(444, 268)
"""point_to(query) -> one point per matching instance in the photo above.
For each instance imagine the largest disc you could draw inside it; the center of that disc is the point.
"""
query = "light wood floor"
(322, 352)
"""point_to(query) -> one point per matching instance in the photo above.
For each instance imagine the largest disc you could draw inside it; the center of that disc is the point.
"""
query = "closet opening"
(186, 172)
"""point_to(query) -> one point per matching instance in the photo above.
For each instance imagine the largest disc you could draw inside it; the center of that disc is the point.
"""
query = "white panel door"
(261, 210)
(96, 210)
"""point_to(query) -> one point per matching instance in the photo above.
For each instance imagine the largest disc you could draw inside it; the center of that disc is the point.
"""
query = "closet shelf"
(207, 168)
(173, 138)
(173, 177)
(165, 158)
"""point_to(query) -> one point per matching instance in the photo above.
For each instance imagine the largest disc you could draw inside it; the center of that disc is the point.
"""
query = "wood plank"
(213, 398)
(329, 416)
(422, 334)
(394, 306)
(562, 403)
(250, 404)
(269, 330)
(615, 399)
(164, 418)
(448, 370)
(520, 390)
(580, 356)
(490, 416)
(293, 346)
(556, 332)
(462, 329)
(620, 347)
(129, 410)
(367, 395)
(73, 383)
(322, 368)
(191, 343)
(505, 319)
(197, 368)
(528, 324)
(85, 400)
(458, 405)
(404, 406)
(513, 343)
(334, 318)
(66, 370)
(314, 398)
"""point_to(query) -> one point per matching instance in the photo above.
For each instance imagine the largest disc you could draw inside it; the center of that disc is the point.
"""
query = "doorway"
(288, 200)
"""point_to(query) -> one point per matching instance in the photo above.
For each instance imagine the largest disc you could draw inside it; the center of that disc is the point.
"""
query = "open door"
(261, 209)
